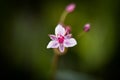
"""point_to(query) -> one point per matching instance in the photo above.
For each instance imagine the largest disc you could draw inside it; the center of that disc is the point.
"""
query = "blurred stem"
(63, 16)
(81, 34)
(54, 65)
(56, 52)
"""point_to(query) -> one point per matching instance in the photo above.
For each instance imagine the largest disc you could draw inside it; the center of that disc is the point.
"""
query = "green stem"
(63, 16)
(54, 65)
(81, 34)
(56, 52)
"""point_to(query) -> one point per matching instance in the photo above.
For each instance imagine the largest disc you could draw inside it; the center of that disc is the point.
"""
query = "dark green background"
(24, 29)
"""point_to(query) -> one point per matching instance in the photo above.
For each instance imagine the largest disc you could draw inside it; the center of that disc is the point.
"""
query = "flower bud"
(70, 7)
(86, 27)
(68, 29)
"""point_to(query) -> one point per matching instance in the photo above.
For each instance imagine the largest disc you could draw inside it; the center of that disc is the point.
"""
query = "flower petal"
(70, 42)
(68, 36)
(61, 48)
(53, 37)
(53, 44)
(59, 30)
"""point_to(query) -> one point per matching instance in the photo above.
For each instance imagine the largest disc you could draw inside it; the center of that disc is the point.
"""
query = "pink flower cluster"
(62, 38)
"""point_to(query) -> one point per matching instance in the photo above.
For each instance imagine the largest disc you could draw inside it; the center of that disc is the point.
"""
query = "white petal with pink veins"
(68, 36)
(53, 44)
(59, 30)
(61, 48)
(53, 37)
(70, 42)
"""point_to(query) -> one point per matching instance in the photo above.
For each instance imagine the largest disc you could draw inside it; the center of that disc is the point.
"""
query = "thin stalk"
(63, 16)
(81, 34)
(54, 65)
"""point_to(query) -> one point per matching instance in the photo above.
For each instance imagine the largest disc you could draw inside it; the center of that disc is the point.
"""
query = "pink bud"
(68, 29)
(86, 27)
(70, 7)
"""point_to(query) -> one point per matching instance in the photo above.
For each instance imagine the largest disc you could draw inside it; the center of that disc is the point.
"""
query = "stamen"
(60, 39)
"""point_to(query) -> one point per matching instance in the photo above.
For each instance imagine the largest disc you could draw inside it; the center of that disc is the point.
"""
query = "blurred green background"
(24, 28)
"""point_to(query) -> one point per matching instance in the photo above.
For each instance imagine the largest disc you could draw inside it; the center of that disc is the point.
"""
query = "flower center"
(60, 39)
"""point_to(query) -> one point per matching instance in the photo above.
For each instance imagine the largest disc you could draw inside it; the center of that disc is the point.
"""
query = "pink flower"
(61, 39)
